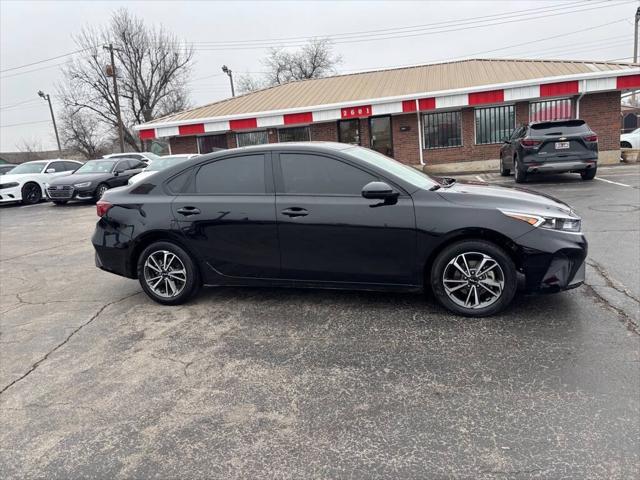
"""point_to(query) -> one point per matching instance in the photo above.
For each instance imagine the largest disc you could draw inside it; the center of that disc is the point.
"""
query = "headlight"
(9, 185)
(564, 224)
(82, 185)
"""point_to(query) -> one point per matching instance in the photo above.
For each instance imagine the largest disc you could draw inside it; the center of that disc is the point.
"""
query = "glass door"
(381, 137)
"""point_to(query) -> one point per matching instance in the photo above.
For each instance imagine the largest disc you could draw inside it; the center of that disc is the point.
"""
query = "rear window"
(569, 127)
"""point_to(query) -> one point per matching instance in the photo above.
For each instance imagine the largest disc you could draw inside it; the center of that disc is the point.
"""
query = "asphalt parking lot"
(96, 381)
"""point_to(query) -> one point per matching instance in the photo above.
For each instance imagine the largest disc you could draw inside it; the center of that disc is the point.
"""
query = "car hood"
(79, 178)
(21, 177)
(477, 194)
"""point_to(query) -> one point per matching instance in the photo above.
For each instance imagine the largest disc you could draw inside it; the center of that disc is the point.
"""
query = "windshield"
(405, 172)
(97, 166)
(164, 162)
(28, 168)
(152, 156)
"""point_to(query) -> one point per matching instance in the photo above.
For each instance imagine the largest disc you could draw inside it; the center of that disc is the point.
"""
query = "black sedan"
(92, 179)
(554, 147)
(333, 215)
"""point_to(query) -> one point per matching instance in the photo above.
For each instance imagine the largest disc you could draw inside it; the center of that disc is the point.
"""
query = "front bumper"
(13, 194)
(552, 261)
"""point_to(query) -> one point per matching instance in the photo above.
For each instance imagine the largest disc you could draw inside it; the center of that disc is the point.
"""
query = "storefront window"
(494, 124)
(349, 131)
(294, 134)
(246, 139)
(211, 143)
(561, 109)
(442, 130)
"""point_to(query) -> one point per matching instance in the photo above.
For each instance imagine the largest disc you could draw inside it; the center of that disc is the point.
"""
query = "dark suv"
(553, 146)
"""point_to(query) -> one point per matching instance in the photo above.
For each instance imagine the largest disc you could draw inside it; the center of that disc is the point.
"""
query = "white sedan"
(160, 164)
(27, 182)
(631, 139)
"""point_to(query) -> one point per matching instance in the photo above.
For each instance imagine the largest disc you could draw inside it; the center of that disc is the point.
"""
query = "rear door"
(227, 216)
(330, 233)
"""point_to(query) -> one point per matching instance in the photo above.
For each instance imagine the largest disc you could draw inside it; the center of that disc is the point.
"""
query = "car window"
(568, 127)
(57, 166)
(35, 167)
(235, 175)
(318, 175)
(70, 166)
(138, 164)
(97, 166)
(516, 133)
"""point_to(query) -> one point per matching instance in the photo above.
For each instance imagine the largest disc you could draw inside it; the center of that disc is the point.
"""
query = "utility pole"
(635, 37)
(228, 71)
(46, 97)
(113, 75)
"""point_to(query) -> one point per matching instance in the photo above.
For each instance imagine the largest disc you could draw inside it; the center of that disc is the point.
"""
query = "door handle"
(186, 211)
(295, 212)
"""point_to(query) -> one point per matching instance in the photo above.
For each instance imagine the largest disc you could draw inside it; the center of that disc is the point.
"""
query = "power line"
(45, 60)
(24, 123)
(32, 70)
(30, 100)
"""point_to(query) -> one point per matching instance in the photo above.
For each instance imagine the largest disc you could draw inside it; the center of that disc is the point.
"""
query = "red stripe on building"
(356, 112)
(294, 118)
(191, 129)
(243, 124)
(427, 103)
(560, 88)
(492, 96)
(148, 134)
(630, 81)
(409, 106)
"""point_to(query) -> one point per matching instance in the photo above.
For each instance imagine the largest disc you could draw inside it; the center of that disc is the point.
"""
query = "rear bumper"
(571, 166)
(113, 250)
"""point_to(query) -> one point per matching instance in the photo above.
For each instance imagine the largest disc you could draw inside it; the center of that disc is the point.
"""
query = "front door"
(380, 135)
(330, 233)
(228, 219)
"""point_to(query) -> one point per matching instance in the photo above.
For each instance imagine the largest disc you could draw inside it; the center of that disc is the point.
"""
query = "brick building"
(430, 114)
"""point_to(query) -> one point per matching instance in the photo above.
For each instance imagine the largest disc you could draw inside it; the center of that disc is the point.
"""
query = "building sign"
(356, 112)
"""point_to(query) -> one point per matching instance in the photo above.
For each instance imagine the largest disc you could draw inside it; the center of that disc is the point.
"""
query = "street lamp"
(45, 96)
(228, 71)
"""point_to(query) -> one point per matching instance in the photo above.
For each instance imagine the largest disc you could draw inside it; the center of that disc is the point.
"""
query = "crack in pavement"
(57, 247)
(65, 341)
(631, 325)
(619, 287)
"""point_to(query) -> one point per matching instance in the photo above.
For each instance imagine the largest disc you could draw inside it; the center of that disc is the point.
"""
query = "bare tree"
(151, 66)
(31, 148)
(83, 133)
(314, 60)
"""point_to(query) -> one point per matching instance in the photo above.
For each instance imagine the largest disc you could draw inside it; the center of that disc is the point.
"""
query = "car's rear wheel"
(505, 172)
(167, 273)
(518, 170)
(589, 174)
(100, 189)
(474, 278)
(31, 193)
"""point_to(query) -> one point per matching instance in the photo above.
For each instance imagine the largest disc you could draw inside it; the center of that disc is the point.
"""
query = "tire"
(60, 202)
(31, 193)
(100, 189)
(519, 174)
(459, 297)
(505, 172)
(589, 174)
(156, 277)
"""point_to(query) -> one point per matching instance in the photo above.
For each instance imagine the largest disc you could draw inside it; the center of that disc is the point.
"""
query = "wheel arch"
(495, 237)
(147, 238)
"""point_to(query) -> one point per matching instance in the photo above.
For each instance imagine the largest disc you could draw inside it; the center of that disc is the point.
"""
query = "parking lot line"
(614, 183)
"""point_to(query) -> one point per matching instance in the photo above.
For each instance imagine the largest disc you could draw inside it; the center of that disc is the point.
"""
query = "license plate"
(562, 145)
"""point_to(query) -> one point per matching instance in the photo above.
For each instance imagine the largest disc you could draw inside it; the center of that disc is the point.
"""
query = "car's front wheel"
(100, 189)
(31, 193)
(167, 273)
(474, 278)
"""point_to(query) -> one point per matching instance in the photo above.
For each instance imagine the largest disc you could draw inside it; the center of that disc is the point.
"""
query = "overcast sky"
(31, 31)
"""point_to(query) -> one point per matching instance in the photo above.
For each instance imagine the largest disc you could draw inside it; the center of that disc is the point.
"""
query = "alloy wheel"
(32, 193)
(165, 274)
(473, 280)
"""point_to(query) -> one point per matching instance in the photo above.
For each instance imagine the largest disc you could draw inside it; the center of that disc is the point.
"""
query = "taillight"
(591, 138)
(102, 207)
(528, 142)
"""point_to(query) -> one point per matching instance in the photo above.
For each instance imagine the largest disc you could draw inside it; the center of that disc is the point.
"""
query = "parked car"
(146, 157)
(94, 178)
(554, 146)
(631, 139)
(6, 168)
(334, 215)
(26, 182)
(160, 164)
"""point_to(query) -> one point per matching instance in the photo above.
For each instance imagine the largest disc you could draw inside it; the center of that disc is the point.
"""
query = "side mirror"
(118, 172)
(50, 170)
(379, 190)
